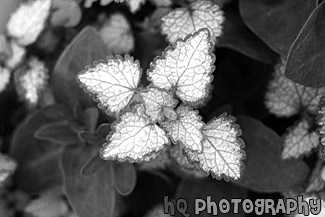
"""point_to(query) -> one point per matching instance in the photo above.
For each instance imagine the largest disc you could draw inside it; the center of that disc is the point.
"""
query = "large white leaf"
(200, 14)
(186, 129)
(155, 100)
(112, 82)
(286, 98)
(186, 68)
(222, 153)
(27, 22)
(299, 140)
(134, 138)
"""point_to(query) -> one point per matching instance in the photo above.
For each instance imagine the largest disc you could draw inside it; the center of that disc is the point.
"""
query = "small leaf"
(134, 138)
(57, 112)
(104, 129)
(181, 165)
(90, 118)
(299, 140)
(265, 171)
(306, 57)
(88, 195)
(186, 129)
(113, 82)
(65, 13)
(27, 30)
(125, 178)
(57, 133)
(116, 32)
(155, 100)
(286, 98)
(91, 138)
(93, 165)
(186, 68)
(85, 48)
(272, 20)
(222, 153)
(184, 21)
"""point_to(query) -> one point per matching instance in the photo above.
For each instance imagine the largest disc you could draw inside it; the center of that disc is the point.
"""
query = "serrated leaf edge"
(114, 58)
(239, 141)
(148, 157)
(172, 47)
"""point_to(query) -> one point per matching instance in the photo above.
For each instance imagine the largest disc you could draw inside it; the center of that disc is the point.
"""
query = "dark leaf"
(103, 130)
(57, 133)
(191, 190)
(307, 55)
(89, 195)
(276, 22)
(86, 48)
(38, 161)
(238, 37)
(125, 177)
(265, 171)
(93, 165)
(90, 118)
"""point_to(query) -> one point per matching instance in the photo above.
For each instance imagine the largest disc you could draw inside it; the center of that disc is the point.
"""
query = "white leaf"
(222, 153)
(299, 140)
(186, 129)
(4, 78)
(186, 68)
(112, 82)
(134, 138)
(117, 34)
(181, 165)
(155, 100)
(200, 14)
(49, 204)
(286, 98)
(135, 5)
(31, 81)
(7, 167)
(27, 22)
